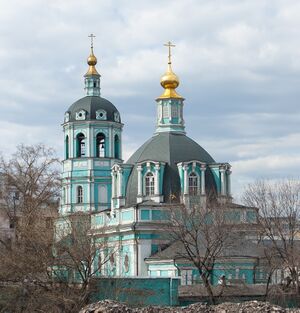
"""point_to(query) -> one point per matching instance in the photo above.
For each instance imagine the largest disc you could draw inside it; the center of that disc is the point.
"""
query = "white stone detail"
(67, 117)
(101, 163)
(101, 115)
(80, 115)
(80, 164)
(117, 117)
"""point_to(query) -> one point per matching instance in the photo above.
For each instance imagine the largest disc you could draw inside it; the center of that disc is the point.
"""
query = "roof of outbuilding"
(91, 104)
(238, 246)
(170, 148)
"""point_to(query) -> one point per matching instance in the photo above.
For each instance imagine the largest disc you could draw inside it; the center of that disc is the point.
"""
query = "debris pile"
(109, 306)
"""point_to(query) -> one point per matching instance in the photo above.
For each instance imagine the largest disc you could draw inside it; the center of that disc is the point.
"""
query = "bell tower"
(93, 145)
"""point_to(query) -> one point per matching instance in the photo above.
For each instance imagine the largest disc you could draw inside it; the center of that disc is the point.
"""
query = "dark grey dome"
(91, 104)
(170, 148)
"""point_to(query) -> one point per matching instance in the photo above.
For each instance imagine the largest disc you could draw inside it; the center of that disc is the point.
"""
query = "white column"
(90, 141)
(186, 182)
(156, 184)
(119, 193)
(139, 170)
(222, 174)
(71, 142)
(229, 181)
(203, 169)
(113, 184)
(88, 196)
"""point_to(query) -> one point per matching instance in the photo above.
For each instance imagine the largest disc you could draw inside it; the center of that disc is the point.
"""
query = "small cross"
(92, 36)
(169, 45)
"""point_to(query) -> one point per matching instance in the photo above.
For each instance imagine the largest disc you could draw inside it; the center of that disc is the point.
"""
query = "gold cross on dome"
(169, 45)
(92, 36)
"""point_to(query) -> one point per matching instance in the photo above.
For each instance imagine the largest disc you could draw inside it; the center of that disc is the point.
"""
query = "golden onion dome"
(92, 61)
(169, 79)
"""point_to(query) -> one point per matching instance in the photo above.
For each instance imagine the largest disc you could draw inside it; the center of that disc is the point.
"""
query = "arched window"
(67, 147)
(79, 194)
(100, 146)
(193, 184)
(80, 139)
(149, 184)
(117, 147)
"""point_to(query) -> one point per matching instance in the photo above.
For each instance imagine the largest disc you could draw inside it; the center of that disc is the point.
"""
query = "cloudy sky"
(238, 61)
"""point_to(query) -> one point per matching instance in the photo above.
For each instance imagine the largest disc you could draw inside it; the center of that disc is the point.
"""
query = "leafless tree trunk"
(77, 252)
(31, 279)
(204, 233)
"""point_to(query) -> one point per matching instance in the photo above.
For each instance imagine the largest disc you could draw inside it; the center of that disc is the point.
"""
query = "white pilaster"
(90, 142)
(113, 184)
(185, 177)
(203, 169)
(71, 142)
(139, 170)
(119, 191)
(229, 182)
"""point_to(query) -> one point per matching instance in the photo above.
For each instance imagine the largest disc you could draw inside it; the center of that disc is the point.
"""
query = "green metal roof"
(91, 104)
(170, 148)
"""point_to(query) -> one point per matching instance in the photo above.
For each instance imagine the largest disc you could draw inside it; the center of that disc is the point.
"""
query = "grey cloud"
(238, 62)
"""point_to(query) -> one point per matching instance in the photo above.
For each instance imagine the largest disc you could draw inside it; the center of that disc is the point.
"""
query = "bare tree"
(34, 265)
(30, 185)
(279, 209)
(79, 256)
(204, 234)
(29, 197)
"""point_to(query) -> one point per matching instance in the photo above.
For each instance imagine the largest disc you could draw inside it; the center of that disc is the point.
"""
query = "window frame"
(149, 184)
(100, 140)
(194, 187)
(80, 145)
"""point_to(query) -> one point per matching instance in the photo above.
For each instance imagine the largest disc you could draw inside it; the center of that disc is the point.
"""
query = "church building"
(127, 202)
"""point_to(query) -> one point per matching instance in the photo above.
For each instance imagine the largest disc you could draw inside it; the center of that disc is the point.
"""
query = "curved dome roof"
(171, 148)
(91, 104)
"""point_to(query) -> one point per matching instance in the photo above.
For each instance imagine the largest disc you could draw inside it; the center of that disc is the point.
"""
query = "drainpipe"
(174, 263)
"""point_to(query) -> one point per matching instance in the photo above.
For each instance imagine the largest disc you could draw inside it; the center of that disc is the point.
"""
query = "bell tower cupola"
(170, 103)
(92, 77)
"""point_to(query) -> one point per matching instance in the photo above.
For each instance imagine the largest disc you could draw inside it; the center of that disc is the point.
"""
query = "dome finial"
(169, 80)
(169, 45)
(92, 60)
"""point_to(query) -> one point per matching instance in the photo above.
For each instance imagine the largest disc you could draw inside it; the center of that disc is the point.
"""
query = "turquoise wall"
(137, 291)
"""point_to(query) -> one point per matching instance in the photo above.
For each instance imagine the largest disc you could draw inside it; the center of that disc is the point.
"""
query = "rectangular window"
(165, 111)
(193, 184)
(149, 182)
(174, 111)
(79, 194)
